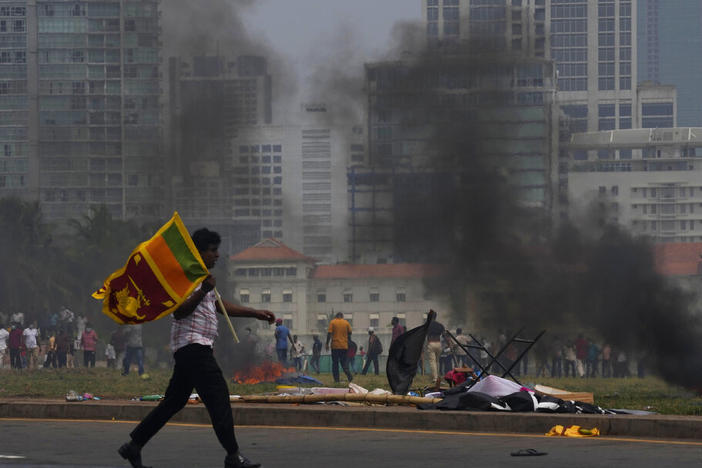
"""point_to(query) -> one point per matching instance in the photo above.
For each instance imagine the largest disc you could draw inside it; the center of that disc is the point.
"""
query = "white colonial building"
(305, 295)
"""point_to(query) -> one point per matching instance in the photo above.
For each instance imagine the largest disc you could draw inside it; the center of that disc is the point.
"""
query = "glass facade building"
(669, 42)
(14, 99)
(86, 128)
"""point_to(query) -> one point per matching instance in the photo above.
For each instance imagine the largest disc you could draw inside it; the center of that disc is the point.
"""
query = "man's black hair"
(203, 238)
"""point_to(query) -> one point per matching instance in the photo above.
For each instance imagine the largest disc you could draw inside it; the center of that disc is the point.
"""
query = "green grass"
(651, 393)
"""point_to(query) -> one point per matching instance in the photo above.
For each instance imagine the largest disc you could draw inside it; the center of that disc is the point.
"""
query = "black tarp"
(404, 355)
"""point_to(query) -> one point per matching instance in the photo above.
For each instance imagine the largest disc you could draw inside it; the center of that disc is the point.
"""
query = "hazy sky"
(307, 31)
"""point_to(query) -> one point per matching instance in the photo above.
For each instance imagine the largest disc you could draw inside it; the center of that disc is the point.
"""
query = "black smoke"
(511, 262)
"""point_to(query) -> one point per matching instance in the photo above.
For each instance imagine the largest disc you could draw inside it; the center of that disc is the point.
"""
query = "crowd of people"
(553, 356)
(343, 349)
(65, 340)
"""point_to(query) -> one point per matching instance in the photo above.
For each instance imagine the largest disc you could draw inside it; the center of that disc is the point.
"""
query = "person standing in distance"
(282, 336)
(339, 334)
(193, 331)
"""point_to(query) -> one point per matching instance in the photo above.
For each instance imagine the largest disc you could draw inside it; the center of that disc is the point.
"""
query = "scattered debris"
(573, 431)
(586, 397)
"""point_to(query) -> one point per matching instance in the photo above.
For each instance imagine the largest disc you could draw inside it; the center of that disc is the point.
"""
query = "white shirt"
(30, 337)
(200, 327)
(3, 338)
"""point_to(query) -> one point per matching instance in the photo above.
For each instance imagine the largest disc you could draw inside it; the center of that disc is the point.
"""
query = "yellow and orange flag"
(158, 276)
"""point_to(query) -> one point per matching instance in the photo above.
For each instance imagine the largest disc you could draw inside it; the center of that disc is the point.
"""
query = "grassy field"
(650, 394)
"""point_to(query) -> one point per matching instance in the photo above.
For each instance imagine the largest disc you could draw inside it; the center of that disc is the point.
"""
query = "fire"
(268, 371)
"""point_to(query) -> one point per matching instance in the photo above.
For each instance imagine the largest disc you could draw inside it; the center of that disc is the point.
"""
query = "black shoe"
(132, 453)
(237, 460)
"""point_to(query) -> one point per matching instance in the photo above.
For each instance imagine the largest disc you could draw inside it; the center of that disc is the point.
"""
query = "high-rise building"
(212, 101)
(591, 42)
(511, 99)
(291, 181)
(80, 106)
(647, 180)
(669, 41)
(594, 47)
(517, 26)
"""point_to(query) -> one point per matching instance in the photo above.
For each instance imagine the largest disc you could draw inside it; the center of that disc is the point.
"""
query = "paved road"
(79, 443)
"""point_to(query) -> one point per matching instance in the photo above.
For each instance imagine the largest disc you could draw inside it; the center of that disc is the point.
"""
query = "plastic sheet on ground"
(495, 386)
(354, 388)
(297, 378)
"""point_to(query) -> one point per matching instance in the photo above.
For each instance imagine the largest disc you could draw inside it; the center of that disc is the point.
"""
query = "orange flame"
(266, 372)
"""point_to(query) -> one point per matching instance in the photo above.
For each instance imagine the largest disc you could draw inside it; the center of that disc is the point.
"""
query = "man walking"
(339, 334)
(397, 329)
(316, 353)
(282, 336)
(193, 332)
(434, 334)
(375, 347)
(135, 350)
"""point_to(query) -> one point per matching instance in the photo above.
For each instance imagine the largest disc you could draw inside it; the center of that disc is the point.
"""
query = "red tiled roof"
(678, 259)
(269, 250)
(390, 270)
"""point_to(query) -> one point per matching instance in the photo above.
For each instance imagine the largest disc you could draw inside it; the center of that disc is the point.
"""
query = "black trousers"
(15, 358)
(89, 358)
(195, 367)
(339, 357)
(370, 358)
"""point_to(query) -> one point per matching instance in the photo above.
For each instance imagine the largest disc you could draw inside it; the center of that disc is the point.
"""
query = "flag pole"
(224, 312)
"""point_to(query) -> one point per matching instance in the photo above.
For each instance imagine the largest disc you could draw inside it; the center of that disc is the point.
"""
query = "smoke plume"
(510, 263)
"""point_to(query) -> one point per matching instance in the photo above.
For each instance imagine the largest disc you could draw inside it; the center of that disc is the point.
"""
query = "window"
(266, 296)
(321, 322)
(288, 321)
(287, 295)
(403, 319)
(400, 296)
(240, 272)
(321, 297)
(244, 296)
(606, 110)
(374, 297)
(605, 84)
(665, 108)
(348, 296)
(606, 124)
(374, 320)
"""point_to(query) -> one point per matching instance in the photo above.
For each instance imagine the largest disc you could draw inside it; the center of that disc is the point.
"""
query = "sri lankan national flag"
(159, 275)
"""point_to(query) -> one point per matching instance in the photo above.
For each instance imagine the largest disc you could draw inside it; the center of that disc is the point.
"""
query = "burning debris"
(267, 371)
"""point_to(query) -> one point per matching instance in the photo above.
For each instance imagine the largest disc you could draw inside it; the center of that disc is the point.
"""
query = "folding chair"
(484, 370)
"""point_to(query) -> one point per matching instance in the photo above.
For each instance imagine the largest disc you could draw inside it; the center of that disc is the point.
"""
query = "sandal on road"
(527, 453)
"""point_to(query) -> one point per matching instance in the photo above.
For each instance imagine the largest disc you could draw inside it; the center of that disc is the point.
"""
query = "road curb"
(374, 417)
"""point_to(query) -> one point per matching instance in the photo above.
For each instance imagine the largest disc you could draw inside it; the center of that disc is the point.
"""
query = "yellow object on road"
(573, 431)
